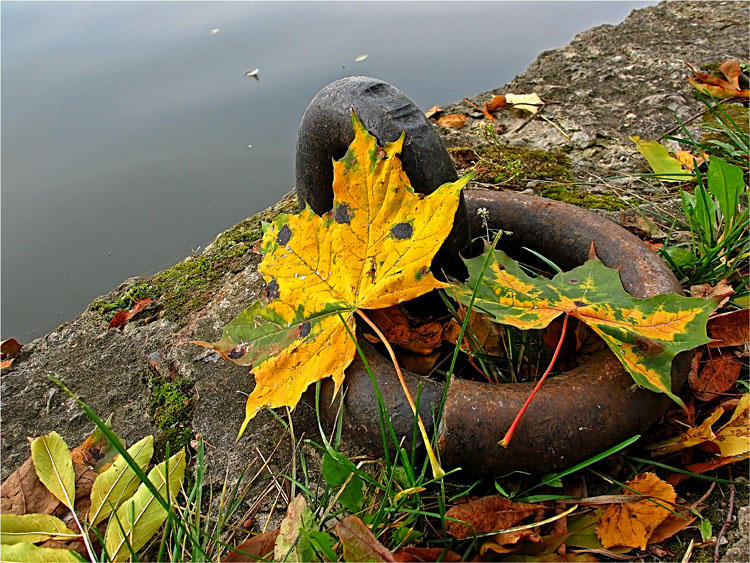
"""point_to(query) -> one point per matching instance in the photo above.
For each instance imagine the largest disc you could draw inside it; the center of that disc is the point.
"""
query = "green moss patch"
(170, 407)
(581, 198)
(513, 166)
(188, 285)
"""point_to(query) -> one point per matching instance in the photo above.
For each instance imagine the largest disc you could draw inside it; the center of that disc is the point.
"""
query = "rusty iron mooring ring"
(576, 414)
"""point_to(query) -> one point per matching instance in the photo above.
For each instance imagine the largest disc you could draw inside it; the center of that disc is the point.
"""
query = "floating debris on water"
(360, 58)
(253, 74)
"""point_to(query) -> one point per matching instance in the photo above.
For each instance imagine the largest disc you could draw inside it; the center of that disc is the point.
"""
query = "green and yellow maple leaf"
(372, 250)
(644, 334)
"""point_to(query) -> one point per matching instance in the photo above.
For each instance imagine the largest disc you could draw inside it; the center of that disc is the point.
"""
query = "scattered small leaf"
(704, 466)
(496, 102)
(487, 514)
(122, 317)
(5, 364)
(632, 524)
(434, 110)
(526, 102)
(671, 526)
(359, 543)
(9, 347)
(453, 120)
(729, 329)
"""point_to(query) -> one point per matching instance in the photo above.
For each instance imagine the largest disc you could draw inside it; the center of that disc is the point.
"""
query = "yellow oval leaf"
(32, 528)
(54, 467)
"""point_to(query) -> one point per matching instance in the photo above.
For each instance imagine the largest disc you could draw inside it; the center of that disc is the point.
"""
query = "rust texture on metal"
(576, 414)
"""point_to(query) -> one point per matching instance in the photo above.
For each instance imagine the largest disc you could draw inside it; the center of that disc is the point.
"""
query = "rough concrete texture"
(609, 83)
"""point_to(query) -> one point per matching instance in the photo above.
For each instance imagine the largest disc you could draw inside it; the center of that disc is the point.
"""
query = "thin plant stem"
(509, 434)
(437, 471)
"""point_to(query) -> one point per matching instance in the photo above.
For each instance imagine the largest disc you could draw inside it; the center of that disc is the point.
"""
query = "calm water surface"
(131, 137)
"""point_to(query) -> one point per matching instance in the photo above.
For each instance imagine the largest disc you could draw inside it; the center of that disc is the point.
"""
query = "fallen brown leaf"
(453, 120)
(718, 375)
(9, 347)
(5, 364)
(632, 524)
(729, 329)
(731, 69)
(255, 548)
(419, 554)
(488, 514)
(409, 334)
(122, 317)
(718, 87)
(721, 292)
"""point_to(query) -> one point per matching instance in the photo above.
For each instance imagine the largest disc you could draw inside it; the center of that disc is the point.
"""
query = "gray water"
(131, 136)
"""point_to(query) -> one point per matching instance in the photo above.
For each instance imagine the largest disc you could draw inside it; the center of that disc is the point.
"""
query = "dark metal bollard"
(575, 415)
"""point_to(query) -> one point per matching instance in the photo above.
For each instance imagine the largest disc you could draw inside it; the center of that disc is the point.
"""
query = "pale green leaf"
(54, 467)
(32, 528)
(28, 552)
(141, 516)
(119, 481)
(661, 162)
(293, 542)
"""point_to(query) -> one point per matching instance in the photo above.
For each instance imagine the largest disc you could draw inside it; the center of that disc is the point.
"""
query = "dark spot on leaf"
(237, 352)
(647, 347)
(272, 290)
(574, 281)
(342, 214)
(304, 329)
(580, 303)
(284, 235)
(402, 231)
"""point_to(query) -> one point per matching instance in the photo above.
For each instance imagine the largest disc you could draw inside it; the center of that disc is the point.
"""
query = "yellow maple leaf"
(631, 524)
(372, 250)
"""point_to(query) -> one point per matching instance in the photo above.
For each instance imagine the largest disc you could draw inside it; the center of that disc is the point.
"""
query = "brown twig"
(725, 527)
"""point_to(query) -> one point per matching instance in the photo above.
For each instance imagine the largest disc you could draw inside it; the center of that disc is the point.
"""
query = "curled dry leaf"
(675, 478)
(496, 102)
(9, 347)
(433, 111)
(729, 329)
(718, 375)
(488, 514)
(691, 437)
(717, 87)
(632, 524)
(453, 120)
(733, 438)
